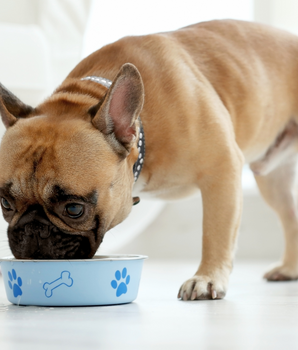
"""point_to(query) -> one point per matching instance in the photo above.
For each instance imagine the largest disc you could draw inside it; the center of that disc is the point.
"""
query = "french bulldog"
(205, 99)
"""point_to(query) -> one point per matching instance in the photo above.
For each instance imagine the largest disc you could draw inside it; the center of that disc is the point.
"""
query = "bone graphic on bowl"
(63, 279)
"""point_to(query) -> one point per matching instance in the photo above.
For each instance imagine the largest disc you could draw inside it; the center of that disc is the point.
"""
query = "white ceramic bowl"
(103, 280)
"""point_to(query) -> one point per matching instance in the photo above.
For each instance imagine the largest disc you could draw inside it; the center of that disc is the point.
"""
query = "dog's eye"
(5, 204)
(74, 210)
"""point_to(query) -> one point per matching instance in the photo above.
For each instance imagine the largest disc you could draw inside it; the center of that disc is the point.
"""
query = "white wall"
(114, 19)
(279, 13)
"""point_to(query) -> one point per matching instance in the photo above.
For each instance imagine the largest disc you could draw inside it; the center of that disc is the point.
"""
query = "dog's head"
(66, 168)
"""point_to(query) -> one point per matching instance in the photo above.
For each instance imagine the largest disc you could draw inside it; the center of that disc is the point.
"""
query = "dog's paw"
(282, 273)
(201, 287)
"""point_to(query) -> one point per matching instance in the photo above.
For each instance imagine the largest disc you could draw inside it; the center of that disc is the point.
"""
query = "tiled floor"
(254, 315)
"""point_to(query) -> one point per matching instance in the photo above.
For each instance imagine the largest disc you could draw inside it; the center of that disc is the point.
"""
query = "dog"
(203, 100)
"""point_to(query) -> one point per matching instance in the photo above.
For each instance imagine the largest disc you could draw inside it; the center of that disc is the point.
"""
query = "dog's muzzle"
(35, 237)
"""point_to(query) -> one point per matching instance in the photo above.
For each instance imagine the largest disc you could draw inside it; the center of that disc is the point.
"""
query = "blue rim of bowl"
(111, 257)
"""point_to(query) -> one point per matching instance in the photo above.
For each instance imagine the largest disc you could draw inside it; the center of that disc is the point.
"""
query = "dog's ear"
(12, 108)
(116, 115)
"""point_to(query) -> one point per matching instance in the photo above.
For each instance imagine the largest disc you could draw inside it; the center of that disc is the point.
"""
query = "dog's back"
(252, 64)
(252, 67)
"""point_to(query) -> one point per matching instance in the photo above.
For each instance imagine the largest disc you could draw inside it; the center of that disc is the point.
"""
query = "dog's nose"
(34, 213)
(35, 222)
(38, 229)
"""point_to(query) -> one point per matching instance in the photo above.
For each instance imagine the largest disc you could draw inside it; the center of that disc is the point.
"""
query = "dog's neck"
(137, 167)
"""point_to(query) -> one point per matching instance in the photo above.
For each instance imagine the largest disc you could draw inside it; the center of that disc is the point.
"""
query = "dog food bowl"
(103, 280)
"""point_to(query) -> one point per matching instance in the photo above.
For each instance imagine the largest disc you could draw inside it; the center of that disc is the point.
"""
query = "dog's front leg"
(222, 207)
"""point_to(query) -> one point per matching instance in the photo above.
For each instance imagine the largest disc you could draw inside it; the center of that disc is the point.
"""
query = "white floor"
(254, 315)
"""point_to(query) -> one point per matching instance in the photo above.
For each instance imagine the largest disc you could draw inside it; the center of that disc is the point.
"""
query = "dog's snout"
(34, 222)
(36, 237)
(35, 213)
(38, 229)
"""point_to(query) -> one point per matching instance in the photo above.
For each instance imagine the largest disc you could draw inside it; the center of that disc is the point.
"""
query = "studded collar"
(137, 167)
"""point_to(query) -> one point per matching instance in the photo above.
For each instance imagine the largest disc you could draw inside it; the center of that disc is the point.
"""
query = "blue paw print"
(122, 287)
(15, 283)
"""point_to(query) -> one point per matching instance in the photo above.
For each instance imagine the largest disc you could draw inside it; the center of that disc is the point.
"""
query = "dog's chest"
(165, 192)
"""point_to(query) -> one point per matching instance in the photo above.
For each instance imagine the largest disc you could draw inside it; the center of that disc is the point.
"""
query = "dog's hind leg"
(284, 146)
(279, 189)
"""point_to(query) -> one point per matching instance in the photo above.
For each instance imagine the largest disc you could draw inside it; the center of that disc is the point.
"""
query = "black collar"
(137, 167)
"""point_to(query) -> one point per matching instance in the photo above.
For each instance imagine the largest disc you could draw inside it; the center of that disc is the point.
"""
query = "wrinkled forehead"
(37, 155)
